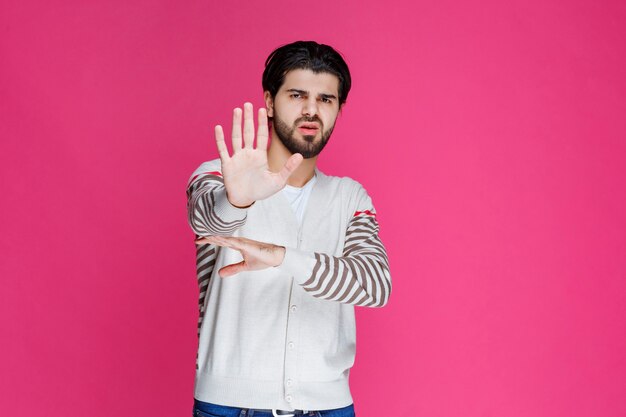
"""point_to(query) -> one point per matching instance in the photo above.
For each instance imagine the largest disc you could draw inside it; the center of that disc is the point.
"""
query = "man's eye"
(325, 100)
(295, 95)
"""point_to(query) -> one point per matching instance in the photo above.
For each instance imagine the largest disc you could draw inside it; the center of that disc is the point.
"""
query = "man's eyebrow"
(328, 96)
(306, 93)
(295, 90)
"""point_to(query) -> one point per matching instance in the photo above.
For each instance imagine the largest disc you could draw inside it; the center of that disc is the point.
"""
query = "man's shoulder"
(343, 184)
(212, 167)
(352, 192)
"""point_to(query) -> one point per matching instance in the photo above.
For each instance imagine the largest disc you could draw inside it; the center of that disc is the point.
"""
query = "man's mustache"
(313, 119)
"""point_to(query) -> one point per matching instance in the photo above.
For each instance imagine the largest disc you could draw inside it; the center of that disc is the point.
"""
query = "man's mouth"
(308, 128)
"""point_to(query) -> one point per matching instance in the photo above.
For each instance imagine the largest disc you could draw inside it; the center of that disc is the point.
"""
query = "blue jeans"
(202, 409)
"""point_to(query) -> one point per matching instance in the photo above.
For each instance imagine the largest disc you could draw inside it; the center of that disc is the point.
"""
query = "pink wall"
(490, 134)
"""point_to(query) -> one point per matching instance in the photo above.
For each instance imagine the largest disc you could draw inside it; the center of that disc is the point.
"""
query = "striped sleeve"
(205, 263)
(359, 277)
(208, 210)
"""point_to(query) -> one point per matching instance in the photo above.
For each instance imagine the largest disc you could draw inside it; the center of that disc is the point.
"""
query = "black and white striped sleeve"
(208, 210)
(359, 277)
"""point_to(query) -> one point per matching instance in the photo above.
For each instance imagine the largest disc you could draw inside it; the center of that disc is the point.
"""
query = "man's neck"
(277, 155)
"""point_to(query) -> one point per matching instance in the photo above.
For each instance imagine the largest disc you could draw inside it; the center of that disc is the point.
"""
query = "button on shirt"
(298, 198)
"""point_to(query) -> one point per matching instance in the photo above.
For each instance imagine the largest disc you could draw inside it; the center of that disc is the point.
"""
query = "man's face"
(304, 111)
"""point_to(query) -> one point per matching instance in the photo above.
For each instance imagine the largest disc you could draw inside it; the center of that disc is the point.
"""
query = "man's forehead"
(312, 82)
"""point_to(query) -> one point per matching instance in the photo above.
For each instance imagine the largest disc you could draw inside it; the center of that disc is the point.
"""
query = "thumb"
(291, 165)
(233, 269)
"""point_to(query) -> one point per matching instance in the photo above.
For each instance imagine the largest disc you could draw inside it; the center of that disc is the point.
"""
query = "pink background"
(491, 136)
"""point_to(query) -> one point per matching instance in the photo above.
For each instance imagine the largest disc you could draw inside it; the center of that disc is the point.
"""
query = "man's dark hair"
(305, 55)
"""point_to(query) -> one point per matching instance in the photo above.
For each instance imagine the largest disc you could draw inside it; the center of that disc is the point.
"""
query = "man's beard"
(308, 148)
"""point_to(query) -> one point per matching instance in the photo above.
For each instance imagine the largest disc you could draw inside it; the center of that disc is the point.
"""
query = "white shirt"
(298, 197)
(284, 337)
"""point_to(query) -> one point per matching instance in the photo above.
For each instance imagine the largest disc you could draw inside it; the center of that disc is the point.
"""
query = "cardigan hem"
(248, 393)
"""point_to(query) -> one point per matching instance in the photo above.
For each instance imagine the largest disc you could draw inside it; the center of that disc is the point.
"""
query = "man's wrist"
(298, 264)
(280, 255)
(241, 207)
(238, 205)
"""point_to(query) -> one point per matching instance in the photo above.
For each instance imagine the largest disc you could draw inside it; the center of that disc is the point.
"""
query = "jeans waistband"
(250, 412)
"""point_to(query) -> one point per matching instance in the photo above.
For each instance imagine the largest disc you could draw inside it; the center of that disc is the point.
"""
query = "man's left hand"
(256, 255)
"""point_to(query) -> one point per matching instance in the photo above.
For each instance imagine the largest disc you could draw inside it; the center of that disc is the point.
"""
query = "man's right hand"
(246, 173)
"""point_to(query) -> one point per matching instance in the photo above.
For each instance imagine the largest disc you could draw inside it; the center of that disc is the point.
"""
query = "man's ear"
(269, 103)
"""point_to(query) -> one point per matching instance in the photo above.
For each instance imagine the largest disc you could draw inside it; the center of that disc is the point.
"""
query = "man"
(296, 250)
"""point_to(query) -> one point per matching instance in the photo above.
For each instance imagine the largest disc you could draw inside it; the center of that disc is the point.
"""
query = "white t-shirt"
(298, 197)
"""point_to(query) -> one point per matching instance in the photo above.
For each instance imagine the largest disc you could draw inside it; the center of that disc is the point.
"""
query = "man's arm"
(219, 193)
(359, 277)
(208, 210)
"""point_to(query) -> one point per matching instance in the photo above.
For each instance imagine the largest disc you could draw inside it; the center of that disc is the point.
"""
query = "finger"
(262, 133)
(291, 165)
(233, 269)
(248, 125)
(212, 240)
(221, 145)
(229, 242)
(236, 133)
(208, 240)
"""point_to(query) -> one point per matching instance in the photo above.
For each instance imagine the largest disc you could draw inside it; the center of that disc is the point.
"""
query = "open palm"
(246, 173)
(256, 255)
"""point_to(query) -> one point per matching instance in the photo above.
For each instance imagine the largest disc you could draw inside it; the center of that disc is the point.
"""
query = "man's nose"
(309, 107)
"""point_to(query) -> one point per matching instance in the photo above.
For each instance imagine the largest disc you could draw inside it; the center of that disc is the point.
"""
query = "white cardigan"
(284, 337)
